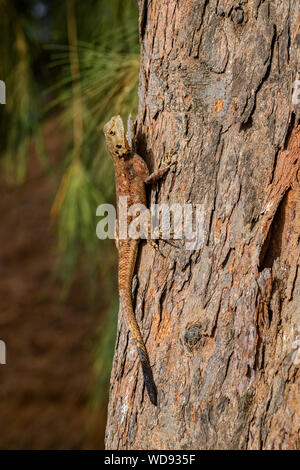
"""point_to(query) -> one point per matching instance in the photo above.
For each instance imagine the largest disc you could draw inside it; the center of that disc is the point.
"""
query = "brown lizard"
(131, 175)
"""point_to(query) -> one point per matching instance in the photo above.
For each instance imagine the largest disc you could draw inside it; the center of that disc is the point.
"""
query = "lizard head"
(116, 141)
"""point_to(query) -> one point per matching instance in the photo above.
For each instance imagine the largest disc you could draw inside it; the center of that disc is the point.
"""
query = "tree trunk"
(221, 324)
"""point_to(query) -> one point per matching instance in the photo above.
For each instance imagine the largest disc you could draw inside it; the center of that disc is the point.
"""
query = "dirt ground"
(46, 384)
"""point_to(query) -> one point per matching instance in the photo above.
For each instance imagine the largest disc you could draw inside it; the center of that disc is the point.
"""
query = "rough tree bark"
(221, 324)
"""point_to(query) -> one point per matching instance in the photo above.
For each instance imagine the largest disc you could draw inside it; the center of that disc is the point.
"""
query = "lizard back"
(130, 173)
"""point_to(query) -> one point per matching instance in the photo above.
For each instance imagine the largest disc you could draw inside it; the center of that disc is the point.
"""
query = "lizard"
(131, 176)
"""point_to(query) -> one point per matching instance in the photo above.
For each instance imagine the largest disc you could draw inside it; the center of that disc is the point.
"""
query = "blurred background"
(68, 67)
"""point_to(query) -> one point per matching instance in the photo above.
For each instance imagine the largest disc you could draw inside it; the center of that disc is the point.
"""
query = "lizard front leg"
(158, 174)
(154, 177)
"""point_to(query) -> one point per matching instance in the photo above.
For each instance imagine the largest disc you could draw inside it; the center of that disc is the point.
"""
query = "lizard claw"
(168, 159)
(156, 247)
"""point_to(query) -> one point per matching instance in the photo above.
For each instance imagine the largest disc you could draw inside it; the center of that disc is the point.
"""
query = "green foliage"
(91, 72)
(104, 84)
(104, 352)
(75, 204)
(20, 116)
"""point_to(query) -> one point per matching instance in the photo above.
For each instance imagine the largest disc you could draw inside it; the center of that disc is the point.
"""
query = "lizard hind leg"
(151, 237)
(158, 234)
(154, 244)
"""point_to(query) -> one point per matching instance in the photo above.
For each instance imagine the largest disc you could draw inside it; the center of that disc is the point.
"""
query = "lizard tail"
(126, 306)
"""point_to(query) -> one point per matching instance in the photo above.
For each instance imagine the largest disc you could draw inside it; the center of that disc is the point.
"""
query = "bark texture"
(221, 324)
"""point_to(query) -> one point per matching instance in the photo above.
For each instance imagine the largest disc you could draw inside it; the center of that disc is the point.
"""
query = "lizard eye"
(119, 146)
(112, 133)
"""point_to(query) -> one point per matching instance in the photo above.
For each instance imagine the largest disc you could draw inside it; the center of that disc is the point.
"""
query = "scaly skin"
(131, 175)
(127, 258)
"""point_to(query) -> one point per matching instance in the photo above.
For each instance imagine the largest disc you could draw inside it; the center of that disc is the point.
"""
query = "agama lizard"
(131, 175)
